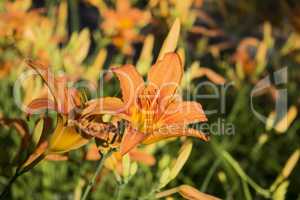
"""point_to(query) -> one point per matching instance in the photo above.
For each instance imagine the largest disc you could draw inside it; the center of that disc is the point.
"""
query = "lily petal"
(56, 157)
(171, 132)
(65, 138)
(142, 157)
(130, 140)
(46, 75)
(67, 98)
(184, 112)
(64, 98)
(166, 74)
(40, 104)
(106, 105)
(131, 82)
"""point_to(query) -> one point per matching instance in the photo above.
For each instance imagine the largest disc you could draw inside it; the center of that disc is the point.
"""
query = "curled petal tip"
(207, 138)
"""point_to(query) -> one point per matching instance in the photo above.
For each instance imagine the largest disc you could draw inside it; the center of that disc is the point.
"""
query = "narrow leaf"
(184, 154)
(171, 40)
(38, 130)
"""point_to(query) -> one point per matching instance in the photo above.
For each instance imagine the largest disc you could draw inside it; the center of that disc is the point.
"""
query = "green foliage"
(68, 36)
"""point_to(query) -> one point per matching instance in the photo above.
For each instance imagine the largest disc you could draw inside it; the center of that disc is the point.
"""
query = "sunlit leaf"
(184, 9)
(126, 166)
(284, 123)
(38, 130)
(290, 164)
(184, 154)
(133, 169)
(171, 40)
(164, 178)
(145, 59)
(279, 194)
(287, 169)
(61, 30)
(93, 72)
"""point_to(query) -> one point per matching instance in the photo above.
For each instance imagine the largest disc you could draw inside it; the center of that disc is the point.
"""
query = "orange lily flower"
(72, 130)
(122, 24)
(18, 21)
(243, 55)
(152, 108)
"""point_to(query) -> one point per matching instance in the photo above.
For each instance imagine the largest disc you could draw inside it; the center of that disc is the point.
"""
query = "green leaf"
(279, 194)
(184, 154)
(83, 45)
(126, 167)
(164, 178)
(145, 59)
(133, 169)
(171, 40)
(38, 130)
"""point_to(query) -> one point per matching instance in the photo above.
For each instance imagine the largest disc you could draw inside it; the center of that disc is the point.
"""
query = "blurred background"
(232, 44)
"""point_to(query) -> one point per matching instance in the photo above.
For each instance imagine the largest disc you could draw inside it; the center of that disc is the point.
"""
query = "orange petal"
(67, 98)
(142, 157)
(184, 112)
(175, 131)
(44, 71)
(56, 157)
(166, 74)
(210, 74)
(191, 193)
(64, 98)
(130, 140)
(107, 105)
(130, 82)
(65, 138)
(123, 5)
(40, 104)
(92, 153)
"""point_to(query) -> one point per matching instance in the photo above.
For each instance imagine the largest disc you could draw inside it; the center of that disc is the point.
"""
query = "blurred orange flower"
(123, 24)
(114, 162)
(5, 69)
(154, 110)
(245, 57)
(17, 21)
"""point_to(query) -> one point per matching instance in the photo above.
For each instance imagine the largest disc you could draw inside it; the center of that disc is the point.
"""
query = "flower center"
(125, 24)
(145, 112)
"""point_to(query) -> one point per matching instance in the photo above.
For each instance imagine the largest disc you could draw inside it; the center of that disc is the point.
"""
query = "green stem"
(93, 180)
(246, 191)
(119, 191)
(241, 173)
(239, 103)
(73, 5)
(8, 186)
(210, 174)
(151, 193)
